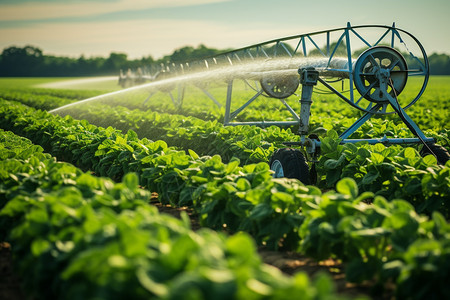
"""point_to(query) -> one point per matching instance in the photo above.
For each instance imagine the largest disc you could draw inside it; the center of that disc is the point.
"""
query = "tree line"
(30, 61)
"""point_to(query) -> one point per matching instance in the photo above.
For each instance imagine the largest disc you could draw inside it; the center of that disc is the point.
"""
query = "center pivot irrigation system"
(369, 67)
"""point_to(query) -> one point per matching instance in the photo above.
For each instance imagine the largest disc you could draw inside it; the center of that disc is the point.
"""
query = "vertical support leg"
(305, 109)
(180, 95)
(308, 79)
(149, 96)
(227, 117)
(173, 99)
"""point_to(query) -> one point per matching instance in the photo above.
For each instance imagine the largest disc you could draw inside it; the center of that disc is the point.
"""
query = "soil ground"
(287, 262)
(9, 283)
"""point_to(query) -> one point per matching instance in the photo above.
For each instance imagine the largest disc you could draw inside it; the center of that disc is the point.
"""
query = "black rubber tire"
(439, 152)
(293, 164)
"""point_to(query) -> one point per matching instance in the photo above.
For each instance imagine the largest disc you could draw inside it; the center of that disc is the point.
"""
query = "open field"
(80, 191)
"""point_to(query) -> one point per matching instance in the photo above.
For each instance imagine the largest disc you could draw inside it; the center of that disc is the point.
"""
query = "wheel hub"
(376, 66)
(277, 167)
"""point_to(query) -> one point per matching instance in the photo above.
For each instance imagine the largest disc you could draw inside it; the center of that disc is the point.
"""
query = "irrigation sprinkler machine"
(368, 67)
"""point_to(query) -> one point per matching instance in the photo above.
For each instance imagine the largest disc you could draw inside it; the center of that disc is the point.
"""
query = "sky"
(141, 28)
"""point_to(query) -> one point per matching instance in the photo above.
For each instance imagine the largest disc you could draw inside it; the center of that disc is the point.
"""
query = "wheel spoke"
(393, 65)
(408, 71)
(373, 61)
(367, 91)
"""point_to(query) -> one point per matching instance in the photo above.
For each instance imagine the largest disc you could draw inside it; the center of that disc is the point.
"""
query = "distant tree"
(57, 66)
(21, 61)
(439, 64)
(189, 53)
(83, 65)
(182, 54)
(115, 62)
(146, 60)
(202, 51)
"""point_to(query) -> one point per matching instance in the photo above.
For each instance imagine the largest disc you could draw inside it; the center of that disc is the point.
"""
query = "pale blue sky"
(157, 27)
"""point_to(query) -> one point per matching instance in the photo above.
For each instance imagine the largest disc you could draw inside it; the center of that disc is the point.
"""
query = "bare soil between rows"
(10, 287)
(288, 262)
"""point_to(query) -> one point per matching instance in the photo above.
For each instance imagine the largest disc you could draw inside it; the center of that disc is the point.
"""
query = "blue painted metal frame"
(345, 34)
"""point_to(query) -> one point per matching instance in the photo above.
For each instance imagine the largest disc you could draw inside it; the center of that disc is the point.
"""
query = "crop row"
(430, 113)
(178, 178)
(250, 144)
(338, 116)
(394, 172)
(77, 236)
(382, 240)
(44, 98)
